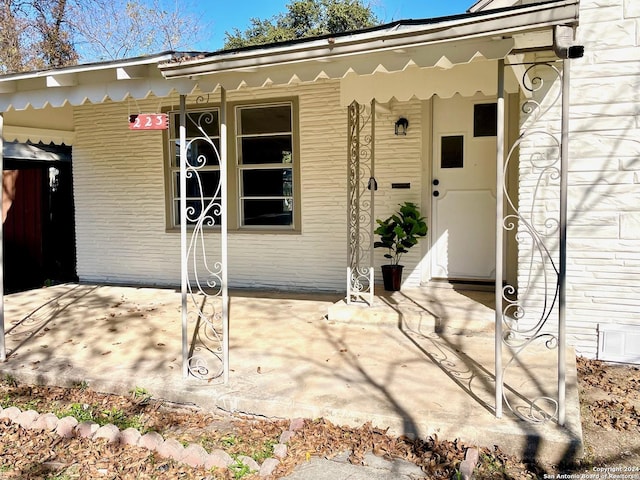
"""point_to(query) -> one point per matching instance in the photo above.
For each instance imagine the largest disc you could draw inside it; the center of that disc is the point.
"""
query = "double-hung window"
(264, 150)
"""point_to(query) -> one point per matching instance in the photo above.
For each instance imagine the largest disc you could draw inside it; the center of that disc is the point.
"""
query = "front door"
(463, 189)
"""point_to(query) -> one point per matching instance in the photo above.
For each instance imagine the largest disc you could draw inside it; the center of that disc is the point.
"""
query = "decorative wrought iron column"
(532, 312)
(205, 317)
(361, 187)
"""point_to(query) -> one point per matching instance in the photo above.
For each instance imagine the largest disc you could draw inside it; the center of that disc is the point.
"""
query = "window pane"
(452, 152)
(209, 180)
(257, 120)
(268, 212)
(266, 150)
(194, 210)
(199, 153)
(208, 121)
(269, 183)
(198, 147)
(485, 120)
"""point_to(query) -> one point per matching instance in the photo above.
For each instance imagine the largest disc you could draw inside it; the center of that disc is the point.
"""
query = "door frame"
(427, 178)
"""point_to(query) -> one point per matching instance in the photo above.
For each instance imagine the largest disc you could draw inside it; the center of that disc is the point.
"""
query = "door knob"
(436, 193)
(436, 182)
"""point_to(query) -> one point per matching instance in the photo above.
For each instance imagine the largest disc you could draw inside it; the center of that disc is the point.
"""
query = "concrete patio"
(419, 361)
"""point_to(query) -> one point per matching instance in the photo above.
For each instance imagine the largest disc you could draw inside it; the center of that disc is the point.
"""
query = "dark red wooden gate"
(23, 202)
(39, 233)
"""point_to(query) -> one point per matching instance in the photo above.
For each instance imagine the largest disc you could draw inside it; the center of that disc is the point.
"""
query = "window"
(485, 119)
(262, 165)
(452, 151)
(264, 149)
(202, 154)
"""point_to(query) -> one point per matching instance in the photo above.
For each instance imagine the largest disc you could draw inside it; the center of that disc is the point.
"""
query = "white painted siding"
(120, 196)
(603, 270)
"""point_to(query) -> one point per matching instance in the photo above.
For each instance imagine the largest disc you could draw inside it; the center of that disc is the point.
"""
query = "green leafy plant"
(9, 380)
(115, 416)
(239, 470)
(9, 401)
(491, 463)
(141, 395)
(261, 454)
(237, 445)
(229, 441)
(81, 385)
(400, 232)
(81, 412)
(59, 476)
(93, 413)
(32, 404)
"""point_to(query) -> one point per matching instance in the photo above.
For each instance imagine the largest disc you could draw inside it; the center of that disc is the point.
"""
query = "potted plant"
(398, 234)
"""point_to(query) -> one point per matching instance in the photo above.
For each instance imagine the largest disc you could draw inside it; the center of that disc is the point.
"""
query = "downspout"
(565, 48)
(562, 273)
(499, 237)
(372, 188)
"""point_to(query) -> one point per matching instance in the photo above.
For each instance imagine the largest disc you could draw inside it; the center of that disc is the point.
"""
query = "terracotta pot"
(392, 277)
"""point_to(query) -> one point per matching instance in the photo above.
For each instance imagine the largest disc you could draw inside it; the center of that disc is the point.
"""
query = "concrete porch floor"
(419, 361)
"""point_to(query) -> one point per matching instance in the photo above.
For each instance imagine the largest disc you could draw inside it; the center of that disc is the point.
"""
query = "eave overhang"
(391, 48)
(115, 80)
(439, 43)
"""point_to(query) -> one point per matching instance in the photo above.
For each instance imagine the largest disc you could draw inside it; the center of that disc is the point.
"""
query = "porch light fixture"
(401, 126)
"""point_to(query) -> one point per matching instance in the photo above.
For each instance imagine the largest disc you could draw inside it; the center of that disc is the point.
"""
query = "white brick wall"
(398, 160)
(120, 197)
(605, 132)
(604, 199)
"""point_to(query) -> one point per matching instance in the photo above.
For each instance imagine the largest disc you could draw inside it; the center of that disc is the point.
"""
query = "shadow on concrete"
(447, 351)
(286, 360)
(37, 322)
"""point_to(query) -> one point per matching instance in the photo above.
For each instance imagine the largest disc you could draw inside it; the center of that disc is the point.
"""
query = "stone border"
(193, 454)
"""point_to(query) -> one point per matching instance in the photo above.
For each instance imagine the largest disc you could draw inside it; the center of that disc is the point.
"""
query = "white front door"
(463, 189)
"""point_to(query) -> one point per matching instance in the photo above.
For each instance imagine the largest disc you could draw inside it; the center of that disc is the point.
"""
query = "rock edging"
(193, 454)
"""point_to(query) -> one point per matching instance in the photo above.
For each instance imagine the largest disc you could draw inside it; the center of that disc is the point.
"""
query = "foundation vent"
(619, 343)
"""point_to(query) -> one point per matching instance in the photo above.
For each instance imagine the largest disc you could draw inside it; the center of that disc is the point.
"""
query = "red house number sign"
(149, 121)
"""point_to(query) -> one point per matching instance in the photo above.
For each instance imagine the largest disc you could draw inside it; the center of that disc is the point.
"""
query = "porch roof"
(27, 151)
(404, 46)
(391, 60)
(94, 83)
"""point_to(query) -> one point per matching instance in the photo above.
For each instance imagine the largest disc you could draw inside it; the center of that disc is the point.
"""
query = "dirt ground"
(609, 395)
(610, 409)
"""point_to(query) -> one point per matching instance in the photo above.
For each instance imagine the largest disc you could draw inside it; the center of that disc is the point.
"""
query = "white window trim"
(240, 167)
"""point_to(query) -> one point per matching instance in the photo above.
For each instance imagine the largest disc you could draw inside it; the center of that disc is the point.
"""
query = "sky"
(225, 15)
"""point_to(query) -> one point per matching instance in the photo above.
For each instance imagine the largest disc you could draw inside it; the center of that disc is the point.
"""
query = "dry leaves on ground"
(610, 406)
(609, 396)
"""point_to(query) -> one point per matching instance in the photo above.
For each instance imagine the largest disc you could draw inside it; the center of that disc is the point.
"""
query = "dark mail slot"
(400, 185)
